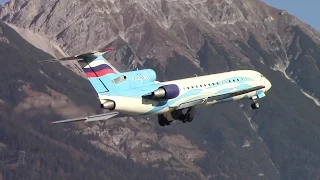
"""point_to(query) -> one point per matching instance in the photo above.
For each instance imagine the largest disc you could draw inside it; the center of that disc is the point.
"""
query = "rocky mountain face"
(186, 37)
(48, 46)
(33, 94)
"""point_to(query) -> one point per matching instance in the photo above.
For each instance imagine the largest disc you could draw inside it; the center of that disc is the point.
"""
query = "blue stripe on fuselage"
(230, 80)
(198, 91)
(137, 92)
(170, 102)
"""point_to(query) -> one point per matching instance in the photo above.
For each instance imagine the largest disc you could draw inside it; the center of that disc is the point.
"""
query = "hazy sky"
(306, 10)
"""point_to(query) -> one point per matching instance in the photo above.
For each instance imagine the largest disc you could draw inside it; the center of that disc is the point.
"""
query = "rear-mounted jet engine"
(111, 105)
(166, 92)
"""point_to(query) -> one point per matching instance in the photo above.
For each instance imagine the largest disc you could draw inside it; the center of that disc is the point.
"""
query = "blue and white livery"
(137, 93)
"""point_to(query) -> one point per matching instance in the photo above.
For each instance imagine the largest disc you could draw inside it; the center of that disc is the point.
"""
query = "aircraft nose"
(268, 85)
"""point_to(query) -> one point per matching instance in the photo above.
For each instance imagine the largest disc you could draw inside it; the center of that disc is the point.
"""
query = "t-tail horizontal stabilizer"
(98, 117)
(80, 56)
(63, 59)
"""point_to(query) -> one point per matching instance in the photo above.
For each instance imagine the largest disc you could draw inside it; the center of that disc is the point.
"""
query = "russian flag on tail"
(97, 68)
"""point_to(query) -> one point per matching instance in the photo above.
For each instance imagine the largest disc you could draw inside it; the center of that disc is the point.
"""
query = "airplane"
(138, 93)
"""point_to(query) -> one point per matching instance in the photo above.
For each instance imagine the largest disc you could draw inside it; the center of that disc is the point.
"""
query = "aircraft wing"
(235, 93)
(98, 117)
(208, 98)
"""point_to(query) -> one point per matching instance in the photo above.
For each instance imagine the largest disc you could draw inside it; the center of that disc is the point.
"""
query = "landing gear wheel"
(255, 105)
(163, 121)
(183, 117)
(189, 118)
(168, 123)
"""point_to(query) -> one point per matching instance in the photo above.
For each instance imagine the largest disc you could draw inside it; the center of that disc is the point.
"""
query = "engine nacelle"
(108, 104)
(167, 92)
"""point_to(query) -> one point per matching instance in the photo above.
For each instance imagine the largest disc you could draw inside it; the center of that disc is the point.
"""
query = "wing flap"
(98, 117)
(208, 98)
(191, 101)
(103, 117)
(190, 104)
(237, 93)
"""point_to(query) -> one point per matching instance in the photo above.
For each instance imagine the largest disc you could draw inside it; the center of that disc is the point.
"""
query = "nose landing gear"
(255, 104)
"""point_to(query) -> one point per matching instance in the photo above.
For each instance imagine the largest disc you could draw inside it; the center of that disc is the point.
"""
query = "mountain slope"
(33, 94)
(46, 45)
(279, 141)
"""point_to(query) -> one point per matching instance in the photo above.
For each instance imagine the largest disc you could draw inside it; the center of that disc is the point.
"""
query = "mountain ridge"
(34, 94)
(279, 141)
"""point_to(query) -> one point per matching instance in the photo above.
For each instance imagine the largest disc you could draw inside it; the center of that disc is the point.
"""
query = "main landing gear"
(255, 104)
(177, 115)
(162, 120)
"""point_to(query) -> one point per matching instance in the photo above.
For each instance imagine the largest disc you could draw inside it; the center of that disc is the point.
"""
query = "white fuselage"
(194, 88)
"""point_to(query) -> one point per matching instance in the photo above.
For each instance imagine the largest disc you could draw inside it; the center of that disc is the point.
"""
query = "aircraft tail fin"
(97, 69)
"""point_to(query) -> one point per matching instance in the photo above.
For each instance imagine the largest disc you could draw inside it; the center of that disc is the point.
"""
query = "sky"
(306, 10)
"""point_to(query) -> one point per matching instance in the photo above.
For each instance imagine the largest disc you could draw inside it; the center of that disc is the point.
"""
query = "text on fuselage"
(140, 78)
